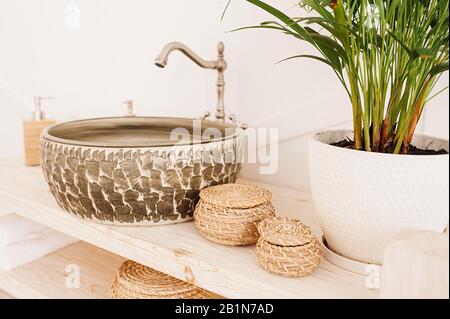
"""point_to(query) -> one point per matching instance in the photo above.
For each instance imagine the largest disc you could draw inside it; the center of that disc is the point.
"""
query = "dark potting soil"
(413, 150)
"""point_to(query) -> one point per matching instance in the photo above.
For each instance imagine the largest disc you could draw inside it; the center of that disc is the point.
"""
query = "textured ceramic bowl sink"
(131, 170)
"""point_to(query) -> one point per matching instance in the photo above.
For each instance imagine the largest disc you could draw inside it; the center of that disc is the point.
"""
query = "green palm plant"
(388, 55)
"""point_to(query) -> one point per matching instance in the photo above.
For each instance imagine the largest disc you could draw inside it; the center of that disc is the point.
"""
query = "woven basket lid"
(134, 280)
(283, 231)
(236, 195)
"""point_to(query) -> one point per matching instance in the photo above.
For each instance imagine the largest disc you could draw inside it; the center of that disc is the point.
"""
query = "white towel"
(14, 228)
(30, 249)
(3, 212)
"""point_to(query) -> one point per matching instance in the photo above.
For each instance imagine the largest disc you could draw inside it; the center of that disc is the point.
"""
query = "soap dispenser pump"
(32, 129)
(130, 106)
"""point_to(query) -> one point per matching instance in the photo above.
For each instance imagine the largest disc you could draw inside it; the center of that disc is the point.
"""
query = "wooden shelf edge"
(184, 268)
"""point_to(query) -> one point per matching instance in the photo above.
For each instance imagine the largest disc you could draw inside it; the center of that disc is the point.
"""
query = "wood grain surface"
(179, 250)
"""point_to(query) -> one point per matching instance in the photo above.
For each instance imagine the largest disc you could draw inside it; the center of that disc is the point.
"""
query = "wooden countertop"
(179, 250)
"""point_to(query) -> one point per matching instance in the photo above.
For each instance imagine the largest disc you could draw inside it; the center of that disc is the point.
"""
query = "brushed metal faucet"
(220, 65)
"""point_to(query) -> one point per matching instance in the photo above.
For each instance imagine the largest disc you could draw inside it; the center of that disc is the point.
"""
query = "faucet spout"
(220, 65)
(163, 57)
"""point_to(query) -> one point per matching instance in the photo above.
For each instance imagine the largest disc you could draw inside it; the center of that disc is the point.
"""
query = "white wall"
(91, 70)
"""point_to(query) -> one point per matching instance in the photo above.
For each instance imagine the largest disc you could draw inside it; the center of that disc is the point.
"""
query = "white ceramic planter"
(363, 199)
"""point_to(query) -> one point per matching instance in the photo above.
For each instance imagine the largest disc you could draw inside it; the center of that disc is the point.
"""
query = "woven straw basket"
(229, 214)
(136, 281)
(287, 247)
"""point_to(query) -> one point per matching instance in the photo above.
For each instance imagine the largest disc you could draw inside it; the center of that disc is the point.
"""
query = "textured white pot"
(363, 199)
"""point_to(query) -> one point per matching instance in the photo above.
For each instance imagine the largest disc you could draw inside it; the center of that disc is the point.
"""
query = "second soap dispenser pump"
(32, 129)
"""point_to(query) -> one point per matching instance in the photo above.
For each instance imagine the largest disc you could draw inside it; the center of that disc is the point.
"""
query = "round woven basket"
(284, 231)
(136, 281)
(229, 214)
(236, 195)
(287, 247)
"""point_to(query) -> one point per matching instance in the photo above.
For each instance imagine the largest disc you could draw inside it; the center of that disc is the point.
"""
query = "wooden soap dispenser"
(32, 129)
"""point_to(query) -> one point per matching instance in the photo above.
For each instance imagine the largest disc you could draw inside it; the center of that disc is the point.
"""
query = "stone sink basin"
(137, 170)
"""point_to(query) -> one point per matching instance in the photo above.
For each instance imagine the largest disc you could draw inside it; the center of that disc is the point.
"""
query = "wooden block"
(32, 132)
(416, 265)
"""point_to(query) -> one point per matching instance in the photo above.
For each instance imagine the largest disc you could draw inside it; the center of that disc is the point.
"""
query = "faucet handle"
(221, 48)
(243, 126)
(233, 120)
(206, 115)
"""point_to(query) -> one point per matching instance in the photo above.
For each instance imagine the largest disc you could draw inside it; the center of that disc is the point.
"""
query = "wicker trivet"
(136, 281)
